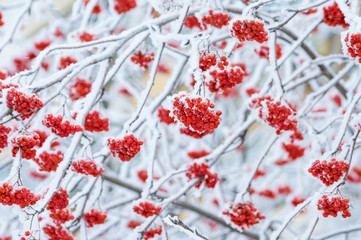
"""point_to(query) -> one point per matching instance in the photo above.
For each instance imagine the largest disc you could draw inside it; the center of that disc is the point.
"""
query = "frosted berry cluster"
(191, 133)
(333, 16)
(328, 172)
(95, 217)
(60, 127)
(147, 209)
(66, 61)
(243, 214)
(202, 171)
(79, 89)
(125, 148)
(56, 232)
(59, 200)
(93, 122)
(142, 59)
(86, 37)
(164, 116)
(21, 102)
(216, 19)
(5, 85)
(249, 30)
(268, 193)
(49, 162)
(263, 51)
(225, 79)
(26, 142)
(20, 196)
(297, 200)
(275, 114)
(123, 6)
(87, 168)
(353, 45)
(4, 135)
(196, 113)
(61, 216)
(152, 232)
(192, 22)
(207, 61)
(333, 205)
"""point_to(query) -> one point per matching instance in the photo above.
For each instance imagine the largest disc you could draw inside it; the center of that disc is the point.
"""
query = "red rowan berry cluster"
(294, 151)
(22, 196)
(3, 76)
(97, 8)
(163, 115)
(42, 45)
(152, 232)
(26, 142)
(207, 61)
(259, 173)
(243, 214)
(263, 52)
(66, 61)
(216, 19)
(61, 216)
(142, 175)
(49, 162)
(195, 113)
(147, 209)
(297, 200)
(86, 37)
(60, 127)
(21, 102)
(95, 217)
(59, 200)
(87, 168)
(198, 154)
(268, 193)
(328, 172)
(125, 148)
(249, 30)
(142, 59)
(191, 133)
(56, 232)
(274, 114)
(79, 89)
(202, 171)
(284, 190)
(333, 16)
(226, 79)
(133, 224)
(354, 175)
(192, 22)
(353, 44)
(333, 205)
(123, 6)
(4, 132)
(94, 123)
(43, 136)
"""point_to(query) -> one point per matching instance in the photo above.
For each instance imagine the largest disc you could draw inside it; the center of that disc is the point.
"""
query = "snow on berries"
(87, 168)
(123, 6)
(59, 200)
(333, 16)
(66, 61)
(243, 214)
(146, 209)
(49, 162)
(4, 135)
(57, 232)
(278, 116)
(62, 128)
(249, 30)
(164, 116)
(202, 171)
(328, 172)
(152, 232)
(61, 216)
(216, 19)
(79, 89)
(22, 102)
(125, 148)
(192, 22)
(332, 205)
(95, 217)
(352, 45)
(297, 200)
(23, 197)
(142, 59)
(196, 113)
(224, 79)
(93, 122)
(207, 61)
(26, 142)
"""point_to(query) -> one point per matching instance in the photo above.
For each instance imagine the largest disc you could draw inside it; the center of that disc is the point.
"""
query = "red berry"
(126, 148)
(147, 209)
(249, 30)
(95, 217)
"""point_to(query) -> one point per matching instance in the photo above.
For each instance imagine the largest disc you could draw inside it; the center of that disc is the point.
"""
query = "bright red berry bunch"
(268, 193)
(125, 148)
(152, 232)
(79, 89)
(297, 200)
(97, 8)
(328, 172)
(353, 44)
(284, 190)
(61, 216)
(86, 37)
(41, 45)
(216, 19)
(56, 232)
(333, 205)
(95, 217)
(207, 61)
(196, 113)
(87, 168)
(21, 196)
(333, 16)
(21, 102)
(26, 142)
(147, 209)
(142, 59)
(4, 132)
(49, 162)
(163, 115)
(293, 150)
(59, 200)
(263, 52)
(123, 6)
(5, 86)
(202, 171)
(243, 214)
(225, 79)
(192, 22)
(249, 30)
(60, 127)
(94, 123)
(198, 154)
(275, 114)
(66, 61)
